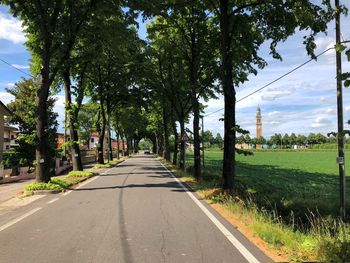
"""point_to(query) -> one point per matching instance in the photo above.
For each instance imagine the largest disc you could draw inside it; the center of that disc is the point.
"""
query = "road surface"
(9, 190)
(136, 212)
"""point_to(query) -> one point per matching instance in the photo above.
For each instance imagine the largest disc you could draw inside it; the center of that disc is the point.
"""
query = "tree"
(52, 28)
(86, 120)
(257, 22)
(293, 139)
(24, 108)
(301, 140)
(276, 140)
(219, 140)
(286, 140)
(174, 85)
(207, 137)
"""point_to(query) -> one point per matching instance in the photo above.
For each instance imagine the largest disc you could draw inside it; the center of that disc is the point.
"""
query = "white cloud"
(20, 66)
(347, 108)
(321, 122)
(330, 111)
(273, 113)
(6, 98)
(11, 29)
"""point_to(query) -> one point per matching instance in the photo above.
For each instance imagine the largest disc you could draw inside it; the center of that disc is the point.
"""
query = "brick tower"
(258, 123)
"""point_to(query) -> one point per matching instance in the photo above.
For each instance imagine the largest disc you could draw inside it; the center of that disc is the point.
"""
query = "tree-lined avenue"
(135, 212)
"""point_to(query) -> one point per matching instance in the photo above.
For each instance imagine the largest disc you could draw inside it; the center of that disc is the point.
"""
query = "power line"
(279, 78)
(7, 63)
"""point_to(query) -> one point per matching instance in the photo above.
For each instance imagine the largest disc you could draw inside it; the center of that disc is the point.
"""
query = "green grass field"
(300, 181)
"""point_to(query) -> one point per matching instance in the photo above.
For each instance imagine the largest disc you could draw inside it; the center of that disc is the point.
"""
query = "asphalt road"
(8, 191)
(136, 212)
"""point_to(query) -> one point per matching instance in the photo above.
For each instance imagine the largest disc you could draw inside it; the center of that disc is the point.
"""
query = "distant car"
(146, 151)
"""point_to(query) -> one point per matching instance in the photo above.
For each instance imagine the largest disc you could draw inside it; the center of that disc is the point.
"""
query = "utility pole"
(202, 117)
(340, 159)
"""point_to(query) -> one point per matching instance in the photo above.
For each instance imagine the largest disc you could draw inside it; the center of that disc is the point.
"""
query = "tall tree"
(24, 108)
(243, 27)
(51, 39)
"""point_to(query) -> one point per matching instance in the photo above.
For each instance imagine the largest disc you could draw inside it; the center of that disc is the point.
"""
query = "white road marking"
(53, 200)
(88, 181)
(16, 220)
(234, 241)
(68, 192)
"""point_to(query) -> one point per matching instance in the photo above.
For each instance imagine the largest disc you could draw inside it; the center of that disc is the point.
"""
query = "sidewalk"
(11, 186)
(17, 178)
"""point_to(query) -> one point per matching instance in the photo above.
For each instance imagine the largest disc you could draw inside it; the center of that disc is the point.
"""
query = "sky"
(302, 102)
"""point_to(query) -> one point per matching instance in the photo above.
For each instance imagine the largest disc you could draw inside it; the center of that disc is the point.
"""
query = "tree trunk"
(110, 157)
(71, 113)
(41, 150)
(196, 139)
(182, 146)
(154, 145)
(100, 148)
(228, 170)
(118, 148)
(176, 143)
(123, 145)
(166, 150)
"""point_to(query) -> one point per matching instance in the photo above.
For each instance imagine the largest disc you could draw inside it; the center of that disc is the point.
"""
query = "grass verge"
(327, 240)
(60, 183)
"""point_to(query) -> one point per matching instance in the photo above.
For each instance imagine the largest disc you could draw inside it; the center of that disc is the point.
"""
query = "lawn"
(298, 181)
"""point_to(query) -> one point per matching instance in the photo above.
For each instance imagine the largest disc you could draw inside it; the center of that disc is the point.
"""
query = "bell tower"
(258, 123)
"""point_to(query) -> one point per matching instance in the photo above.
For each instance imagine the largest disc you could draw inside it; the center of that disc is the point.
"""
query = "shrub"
(10, 159)
(106, 165)
(334, 250)
(23, 162)
(42, 186)
(80, 174)
(63, 183)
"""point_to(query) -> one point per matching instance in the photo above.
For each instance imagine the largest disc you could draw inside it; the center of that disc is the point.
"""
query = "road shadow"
(173, 185)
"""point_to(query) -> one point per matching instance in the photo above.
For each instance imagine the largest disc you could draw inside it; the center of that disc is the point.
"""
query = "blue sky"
(303, 102)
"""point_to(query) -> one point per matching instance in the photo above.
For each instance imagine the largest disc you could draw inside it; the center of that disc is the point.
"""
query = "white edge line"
(235, 242)
(53, 200)
(14, 221)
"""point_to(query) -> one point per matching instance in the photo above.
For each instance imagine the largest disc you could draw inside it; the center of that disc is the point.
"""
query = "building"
(4, 111)
(258, 123)
(92, 143)
(258, 126)
(10, 136)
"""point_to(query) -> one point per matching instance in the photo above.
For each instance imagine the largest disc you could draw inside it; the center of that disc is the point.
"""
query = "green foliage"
(61, 182)
(42, 186)
(334, 250)
(11, 159)
(23, 162)
(106, 165)
(80, 174)
(302, 181)
(24, 110)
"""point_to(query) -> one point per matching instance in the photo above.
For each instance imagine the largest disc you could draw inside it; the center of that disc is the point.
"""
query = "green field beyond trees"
(298, 181)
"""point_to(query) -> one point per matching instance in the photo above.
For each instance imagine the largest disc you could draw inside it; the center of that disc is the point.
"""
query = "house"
(4, 111)
(93, 141)
(10, 136)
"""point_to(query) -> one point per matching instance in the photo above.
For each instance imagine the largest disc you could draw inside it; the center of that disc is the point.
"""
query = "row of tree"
(288, 141)
(195, 49)
(201, 48)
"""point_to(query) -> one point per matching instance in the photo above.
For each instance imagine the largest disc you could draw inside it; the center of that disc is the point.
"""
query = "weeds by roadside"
(60, 183)
(325, 239)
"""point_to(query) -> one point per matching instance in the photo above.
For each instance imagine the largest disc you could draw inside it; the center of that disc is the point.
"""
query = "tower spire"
(258, 123)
